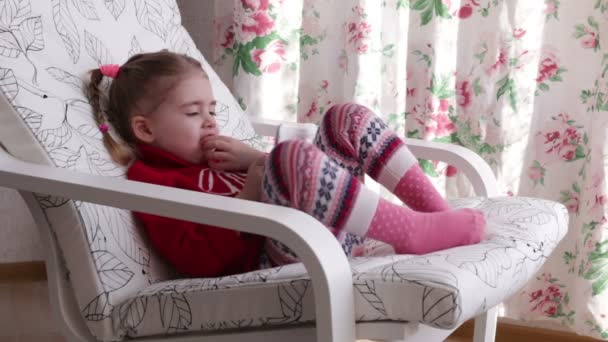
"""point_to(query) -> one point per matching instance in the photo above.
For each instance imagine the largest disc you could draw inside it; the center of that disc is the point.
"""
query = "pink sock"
(411, 232)
(402, 175)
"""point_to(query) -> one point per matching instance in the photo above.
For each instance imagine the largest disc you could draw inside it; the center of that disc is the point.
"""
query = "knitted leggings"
(323, 179)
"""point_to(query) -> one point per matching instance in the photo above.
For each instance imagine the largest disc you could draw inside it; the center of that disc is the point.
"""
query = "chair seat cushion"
(441, 289)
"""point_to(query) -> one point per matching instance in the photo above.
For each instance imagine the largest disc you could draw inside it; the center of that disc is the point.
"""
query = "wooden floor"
(25, 314)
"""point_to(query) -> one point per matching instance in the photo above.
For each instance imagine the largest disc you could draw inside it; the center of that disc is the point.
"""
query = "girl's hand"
(228, 154)
(253, 184)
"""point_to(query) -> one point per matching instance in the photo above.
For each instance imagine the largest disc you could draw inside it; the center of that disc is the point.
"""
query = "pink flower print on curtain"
(358, 31)
(567, 142)
(551, 300)
(546, 69)
(551, 8)
(588, 33)
(549, 70)
(439, 125)
(269, 59)
(227, 40)
(464, 93)
(249, 39)
(253, 20)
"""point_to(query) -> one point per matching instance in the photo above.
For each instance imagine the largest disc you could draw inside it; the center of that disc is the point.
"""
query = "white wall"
(19, 240)
(197, 17)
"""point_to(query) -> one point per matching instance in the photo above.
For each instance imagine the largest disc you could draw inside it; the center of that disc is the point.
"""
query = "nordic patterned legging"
(322, 178)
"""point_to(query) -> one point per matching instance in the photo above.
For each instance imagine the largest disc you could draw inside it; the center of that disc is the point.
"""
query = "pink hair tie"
(104, 128)
(110, 70)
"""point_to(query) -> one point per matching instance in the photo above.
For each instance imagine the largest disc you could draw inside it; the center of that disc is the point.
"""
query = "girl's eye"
(192, 114)
(212, 113)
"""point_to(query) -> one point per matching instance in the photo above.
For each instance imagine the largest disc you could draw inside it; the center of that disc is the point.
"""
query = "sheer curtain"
(522, 83)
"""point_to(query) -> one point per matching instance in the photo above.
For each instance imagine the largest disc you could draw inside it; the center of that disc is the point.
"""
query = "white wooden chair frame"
(320, 253)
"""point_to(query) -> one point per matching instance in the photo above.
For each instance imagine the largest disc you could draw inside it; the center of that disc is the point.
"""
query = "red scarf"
(195, 250)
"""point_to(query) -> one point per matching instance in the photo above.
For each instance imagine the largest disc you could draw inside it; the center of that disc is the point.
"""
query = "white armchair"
(105, 282)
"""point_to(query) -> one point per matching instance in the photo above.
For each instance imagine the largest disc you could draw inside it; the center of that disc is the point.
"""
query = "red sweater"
(195, 250)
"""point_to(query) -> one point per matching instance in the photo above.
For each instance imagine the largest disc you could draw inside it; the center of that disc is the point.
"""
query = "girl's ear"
(142, 130)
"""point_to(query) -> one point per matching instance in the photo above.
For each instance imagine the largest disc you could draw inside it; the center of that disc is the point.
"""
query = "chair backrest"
(46, 50)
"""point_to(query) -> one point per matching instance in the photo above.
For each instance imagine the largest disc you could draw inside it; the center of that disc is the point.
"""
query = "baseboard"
(17, 272)
(509, 332)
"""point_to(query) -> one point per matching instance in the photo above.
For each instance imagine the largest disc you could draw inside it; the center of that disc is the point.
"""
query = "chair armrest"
(266, 127)
(470, 163)
(320, 252)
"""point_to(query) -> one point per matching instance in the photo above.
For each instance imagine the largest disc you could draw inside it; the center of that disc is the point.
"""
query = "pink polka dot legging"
(323, 180)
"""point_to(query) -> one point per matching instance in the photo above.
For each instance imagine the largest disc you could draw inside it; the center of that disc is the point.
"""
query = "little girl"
(162, 107)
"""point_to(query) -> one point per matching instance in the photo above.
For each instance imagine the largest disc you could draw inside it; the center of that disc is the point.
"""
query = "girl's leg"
(299, 175)
(360, 141)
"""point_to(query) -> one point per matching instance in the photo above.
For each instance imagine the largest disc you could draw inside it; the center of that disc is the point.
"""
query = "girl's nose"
(209, 123)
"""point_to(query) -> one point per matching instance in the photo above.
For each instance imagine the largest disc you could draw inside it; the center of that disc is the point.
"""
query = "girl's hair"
(140, 87)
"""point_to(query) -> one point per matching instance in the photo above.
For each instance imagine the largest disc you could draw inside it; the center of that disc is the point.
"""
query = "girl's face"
(182, 120)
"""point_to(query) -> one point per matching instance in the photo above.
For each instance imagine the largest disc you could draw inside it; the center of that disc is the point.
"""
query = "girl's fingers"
(218, 165)
(261, 160)
(215, 145)
(221, 160)
(219, 155)
(222, 165)
(222, 138)
(216, 138)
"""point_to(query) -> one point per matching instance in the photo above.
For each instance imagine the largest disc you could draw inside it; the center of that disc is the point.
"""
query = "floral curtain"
(523, 83)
